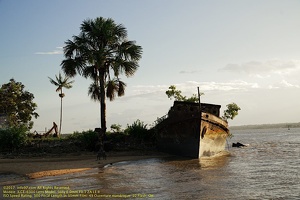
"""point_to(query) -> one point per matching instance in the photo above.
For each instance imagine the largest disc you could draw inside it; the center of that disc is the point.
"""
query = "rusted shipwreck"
(185, 131)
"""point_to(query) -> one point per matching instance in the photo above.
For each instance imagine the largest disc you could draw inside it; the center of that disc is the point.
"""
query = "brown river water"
(269, 168)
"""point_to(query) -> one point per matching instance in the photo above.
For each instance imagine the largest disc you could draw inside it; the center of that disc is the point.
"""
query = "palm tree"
(61, 82)
(102, 52)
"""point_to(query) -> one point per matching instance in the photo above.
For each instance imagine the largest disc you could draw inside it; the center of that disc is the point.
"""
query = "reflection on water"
(267, 169)
(217, 161)
(168, 178)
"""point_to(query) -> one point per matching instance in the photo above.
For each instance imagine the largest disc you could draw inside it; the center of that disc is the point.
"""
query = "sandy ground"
(63, 164)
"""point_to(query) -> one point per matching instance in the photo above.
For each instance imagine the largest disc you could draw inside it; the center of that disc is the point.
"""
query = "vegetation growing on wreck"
(176, 94)
(231, 112)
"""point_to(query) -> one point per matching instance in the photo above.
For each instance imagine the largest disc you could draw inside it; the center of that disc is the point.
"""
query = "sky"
(246, 52)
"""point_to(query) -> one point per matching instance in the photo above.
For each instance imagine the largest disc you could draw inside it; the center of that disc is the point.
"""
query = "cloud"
(150, 92)
(264, 69)
(144, 89)
(190, 87)
(157, 92)
(219, 86)
(58, 51)
(189, 71)
(283, 84)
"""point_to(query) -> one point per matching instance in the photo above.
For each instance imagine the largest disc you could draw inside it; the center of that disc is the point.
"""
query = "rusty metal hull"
(214, 132)
(182, 135)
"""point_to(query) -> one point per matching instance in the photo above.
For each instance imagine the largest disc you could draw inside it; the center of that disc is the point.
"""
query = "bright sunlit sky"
(247, 52)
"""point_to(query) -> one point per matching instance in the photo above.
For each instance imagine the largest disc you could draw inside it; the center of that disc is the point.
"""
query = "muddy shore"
(53, 165)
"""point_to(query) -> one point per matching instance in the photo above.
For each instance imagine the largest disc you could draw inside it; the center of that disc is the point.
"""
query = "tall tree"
(17, 105)
(61, 82)
(102, 52)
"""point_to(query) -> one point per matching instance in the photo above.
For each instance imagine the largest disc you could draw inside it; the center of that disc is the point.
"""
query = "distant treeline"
(266, 126)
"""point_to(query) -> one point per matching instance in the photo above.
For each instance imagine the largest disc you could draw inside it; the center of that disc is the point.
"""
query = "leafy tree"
(231, 112)
(61, 82)
(102, 53)
(176, 94)
(116, 128)
(138, 130)
(17, 105)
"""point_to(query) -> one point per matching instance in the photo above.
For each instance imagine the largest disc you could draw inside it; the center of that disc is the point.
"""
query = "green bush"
(11, 139)
(87, 139)
(138, 130)
(116, 137)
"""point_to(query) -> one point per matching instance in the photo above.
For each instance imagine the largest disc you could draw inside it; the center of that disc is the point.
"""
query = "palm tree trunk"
(60, 123)
(102, 101)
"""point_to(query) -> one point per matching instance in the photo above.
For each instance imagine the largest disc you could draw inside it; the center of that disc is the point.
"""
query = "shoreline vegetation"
(266, 126)
(53, 157)
(28, 156)
(22, 168)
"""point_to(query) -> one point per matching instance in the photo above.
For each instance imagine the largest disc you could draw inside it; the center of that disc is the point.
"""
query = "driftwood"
(54, 127)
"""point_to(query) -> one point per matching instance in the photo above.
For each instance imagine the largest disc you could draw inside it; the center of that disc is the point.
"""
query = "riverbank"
(24, 168)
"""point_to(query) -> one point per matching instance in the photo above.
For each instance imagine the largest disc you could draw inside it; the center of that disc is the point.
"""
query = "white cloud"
(264, 69)
(58, 51)
(190, 87)
(189, 71)
(260, 76)
(283, 84)
(216, 86)
(147, 89)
